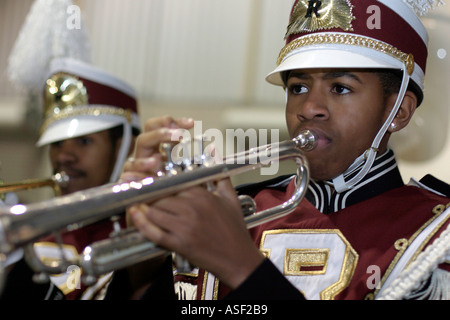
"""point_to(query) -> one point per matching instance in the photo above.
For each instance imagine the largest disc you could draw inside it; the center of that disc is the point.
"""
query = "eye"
(340, 89)
(84, 141)
(298, 89)
(57, 144)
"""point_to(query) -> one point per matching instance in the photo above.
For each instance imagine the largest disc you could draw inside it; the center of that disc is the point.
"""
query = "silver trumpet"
(21, 225)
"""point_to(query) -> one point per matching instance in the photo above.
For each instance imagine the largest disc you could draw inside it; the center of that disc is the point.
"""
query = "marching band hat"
(378, 34)
(352, 34)
(81, 99)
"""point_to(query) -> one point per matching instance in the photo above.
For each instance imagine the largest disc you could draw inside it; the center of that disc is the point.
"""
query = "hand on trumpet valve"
(148, 159)
(153, 156)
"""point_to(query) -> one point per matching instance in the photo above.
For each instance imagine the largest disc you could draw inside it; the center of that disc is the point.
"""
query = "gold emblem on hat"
(314, 15)
(66, 96)
(63, 90)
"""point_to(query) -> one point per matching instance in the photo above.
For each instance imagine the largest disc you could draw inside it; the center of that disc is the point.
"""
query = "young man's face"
(87, 160)
(345, 108)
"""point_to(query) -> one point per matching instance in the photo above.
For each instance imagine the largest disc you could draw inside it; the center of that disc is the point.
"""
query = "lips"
(75, 178)
(72, 172)
(323, 139)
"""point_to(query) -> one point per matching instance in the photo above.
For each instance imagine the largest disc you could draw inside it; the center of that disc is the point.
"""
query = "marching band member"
(359, 226)
(90, 127)
(90, 124)
(91, 121)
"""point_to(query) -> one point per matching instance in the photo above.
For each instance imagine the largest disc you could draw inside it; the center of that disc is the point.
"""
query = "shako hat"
(80, 99)
(352, 34)
(379, 34)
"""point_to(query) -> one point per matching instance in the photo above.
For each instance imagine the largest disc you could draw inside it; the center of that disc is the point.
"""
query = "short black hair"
(116, 133)
(391, 81)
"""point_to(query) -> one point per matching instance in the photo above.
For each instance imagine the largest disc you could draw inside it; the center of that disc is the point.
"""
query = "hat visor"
(331, 58)
(75, 127)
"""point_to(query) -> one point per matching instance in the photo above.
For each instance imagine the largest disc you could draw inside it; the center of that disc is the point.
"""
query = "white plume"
(422, 7)
(46, 34)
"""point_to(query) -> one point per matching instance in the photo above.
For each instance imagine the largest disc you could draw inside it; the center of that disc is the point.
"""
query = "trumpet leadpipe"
(56, 181)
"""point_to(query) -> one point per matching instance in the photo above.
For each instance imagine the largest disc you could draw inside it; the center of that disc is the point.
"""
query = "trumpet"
(56, 181)
(21, 225)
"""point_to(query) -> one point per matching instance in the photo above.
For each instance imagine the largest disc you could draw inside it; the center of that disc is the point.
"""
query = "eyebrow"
(326, 76)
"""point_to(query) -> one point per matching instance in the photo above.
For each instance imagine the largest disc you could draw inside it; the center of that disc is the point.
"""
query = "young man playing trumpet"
(359, 226)
(90, 126)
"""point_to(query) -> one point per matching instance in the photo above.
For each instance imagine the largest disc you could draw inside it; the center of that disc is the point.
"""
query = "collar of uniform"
(383, 176)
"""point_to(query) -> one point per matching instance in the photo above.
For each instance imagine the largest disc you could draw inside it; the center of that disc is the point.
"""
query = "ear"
(405, 112)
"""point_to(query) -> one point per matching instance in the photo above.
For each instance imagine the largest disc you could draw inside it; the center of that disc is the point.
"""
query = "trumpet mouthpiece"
(306, 140)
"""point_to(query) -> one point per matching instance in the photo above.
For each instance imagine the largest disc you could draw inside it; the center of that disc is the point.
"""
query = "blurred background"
(206, 59)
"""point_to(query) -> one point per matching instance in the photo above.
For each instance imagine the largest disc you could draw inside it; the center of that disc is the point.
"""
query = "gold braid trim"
(77, 111)
(347, 39)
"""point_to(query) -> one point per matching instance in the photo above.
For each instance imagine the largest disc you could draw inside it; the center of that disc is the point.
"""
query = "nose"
(314, 106)
(64, 152)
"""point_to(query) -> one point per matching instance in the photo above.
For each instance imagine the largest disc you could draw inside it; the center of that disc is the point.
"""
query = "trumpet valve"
(248, 205)
(182, 264)
(169, 167)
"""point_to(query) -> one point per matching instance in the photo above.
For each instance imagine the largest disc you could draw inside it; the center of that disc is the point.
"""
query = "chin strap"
(368, 157)
(123, 152)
